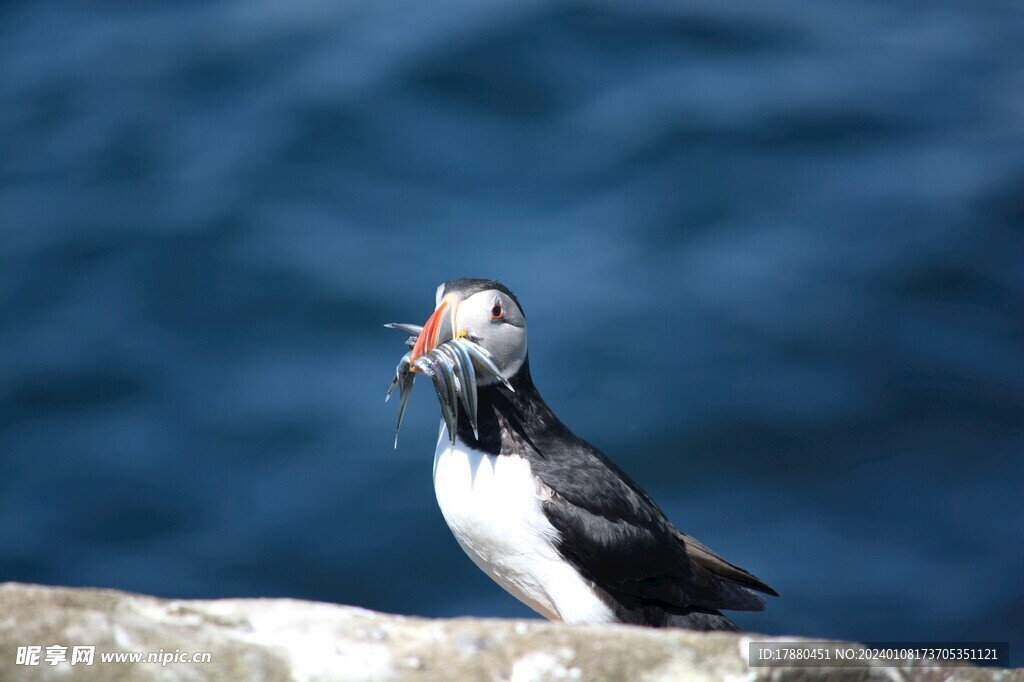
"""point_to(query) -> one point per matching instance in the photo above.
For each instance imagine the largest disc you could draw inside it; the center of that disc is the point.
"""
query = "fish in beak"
(450, 359)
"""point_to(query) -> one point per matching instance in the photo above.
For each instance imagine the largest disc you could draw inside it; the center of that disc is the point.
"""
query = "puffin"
(540, 510)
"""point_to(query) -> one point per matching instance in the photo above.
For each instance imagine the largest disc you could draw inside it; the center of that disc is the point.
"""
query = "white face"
(493, 320)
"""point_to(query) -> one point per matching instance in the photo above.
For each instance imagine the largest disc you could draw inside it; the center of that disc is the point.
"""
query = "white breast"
(492, 505)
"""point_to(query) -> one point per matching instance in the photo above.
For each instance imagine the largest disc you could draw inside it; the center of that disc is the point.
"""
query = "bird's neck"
(510, 421)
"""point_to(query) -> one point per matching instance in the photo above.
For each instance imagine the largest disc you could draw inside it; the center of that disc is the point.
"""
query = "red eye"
(496, 312)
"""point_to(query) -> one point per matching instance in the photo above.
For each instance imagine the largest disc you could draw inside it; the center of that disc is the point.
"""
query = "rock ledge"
(277, 640)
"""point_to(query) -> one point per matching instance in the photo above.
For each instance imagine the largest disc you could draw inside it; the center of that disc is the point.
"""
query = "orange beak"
(427, 340)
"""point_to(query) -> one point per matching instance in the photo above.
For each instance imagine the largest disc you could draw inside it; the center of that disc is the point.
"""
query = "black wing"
(621, 541)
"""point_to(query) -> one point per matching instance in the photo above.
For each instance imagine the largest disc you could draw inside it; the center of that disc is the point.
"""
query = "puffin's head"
(485, 312)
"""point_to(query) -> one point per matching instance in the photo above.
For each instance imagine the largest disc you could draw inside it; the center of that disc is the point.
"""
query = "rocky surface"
(275, 640)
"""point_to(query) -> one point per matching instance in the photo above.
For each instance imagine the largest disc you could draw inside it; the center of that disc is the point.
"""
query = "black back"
(610, 529)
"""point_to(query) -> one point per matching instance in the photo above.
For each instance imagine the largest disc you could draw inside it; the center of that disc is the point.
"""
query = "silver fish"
(448, 366)
(486, 360)
(454, 368)
(432, 368)
(404, 379)
(413, 329)
(468, 395)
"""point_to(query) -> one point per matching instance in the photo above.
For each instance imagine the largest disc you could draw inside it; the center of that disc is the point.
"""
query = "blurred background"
(772, 257)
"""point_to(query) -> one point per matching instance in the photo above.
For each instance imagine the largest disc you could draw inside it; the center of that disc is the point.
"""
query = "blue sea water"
(771, 255)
